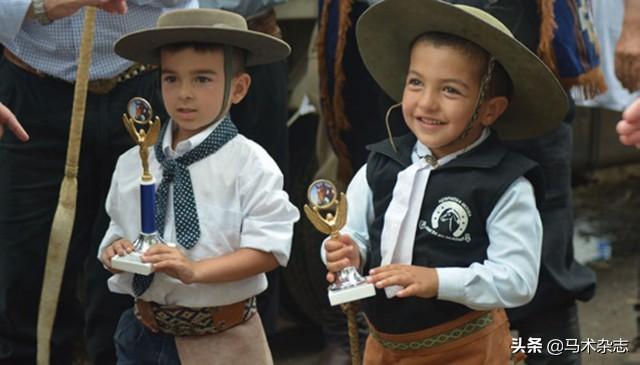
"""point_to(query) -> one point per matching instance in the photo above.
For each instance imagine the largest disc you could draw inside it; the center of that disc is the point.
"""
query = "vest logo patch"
(449, 220)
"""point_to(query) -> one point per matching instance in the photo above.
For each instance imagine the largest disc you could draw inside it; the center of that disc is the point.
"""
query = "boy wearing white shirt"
(446, 216)
(220, 199)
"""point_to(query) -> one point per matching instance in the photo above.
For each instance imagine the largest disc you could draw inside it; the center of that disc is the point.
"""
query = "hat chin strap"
(228, 76)
(481, 95)
(386, 122)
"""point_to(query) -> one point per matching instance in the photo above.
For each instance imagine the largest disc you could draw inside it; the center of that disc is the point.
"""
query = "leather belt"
(265, 22)
(183, 321)
(99, 86)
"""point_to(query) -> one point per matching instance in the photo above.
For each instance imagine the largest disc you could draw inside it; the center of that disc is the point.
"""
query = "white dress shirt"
(509, 275)
(240, 204)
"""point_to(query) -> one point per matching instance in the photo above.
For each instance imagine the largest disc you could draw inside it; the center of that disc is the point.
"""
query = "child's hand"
(169, 260)
(341, 252)
(120, 247)
(417, 281)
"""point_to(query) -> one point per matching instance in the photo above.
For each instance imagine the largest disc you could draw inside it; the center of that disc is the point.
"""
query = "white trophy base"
(346, 295)
(131, 263)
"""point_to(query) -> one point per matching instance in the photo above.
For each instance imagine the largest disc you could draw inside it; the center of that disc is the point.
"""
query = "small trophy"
(139, 115)
(323, 198)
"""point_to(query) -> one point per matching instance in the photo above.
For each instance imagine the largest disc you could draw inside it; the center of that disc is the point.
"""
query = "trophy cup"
(323, 198)
(138, 117)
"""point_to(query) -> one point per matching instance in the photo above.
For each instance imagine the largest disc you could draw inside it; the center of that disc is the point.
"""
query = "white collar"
(187, 145)
(420, 150)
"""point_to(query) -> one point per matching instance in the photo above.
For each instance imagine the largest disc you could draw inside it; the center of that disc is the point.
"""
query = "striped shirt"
(245, 8)
(53, 49)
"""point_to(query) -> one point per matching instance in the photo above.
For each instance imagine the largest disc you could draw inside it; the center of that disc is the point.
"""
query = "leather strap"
(184, 321)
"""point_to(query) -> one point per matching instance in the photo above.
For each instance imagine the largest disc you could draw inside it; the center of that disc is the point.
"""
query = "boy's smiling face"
(193, 88)
(440, 94)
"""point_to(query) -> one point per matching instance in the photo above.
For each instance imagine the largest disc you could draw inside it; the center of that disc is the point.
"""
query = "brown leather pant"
(245, 344)
(490, 345)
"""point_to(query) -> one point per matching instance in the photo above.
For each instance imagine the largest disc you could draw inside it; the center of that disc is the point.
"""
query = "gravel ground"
(611, 205)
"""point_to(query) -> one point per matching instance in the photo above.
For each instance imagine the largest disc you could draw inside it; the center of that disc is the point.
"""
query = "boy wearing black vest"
(445, 217)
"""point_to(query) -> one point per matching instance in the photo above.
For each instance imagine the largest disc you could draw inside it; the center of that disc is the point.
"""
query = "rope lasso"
(351, 310)
(62, 225)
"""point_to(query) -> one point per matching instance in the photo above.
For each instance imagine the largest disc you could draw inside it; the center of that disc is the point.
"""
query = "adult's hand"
(9, 120)
(57, 9)
(627, 55)
(629, 127)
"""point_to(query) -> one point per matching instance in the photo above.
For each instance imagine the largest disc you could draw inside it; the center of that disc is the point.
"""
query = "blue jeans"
(137, 345)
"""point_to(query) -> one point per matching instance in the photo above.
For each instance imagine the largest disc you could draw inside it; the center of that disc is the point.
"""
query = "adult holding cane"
(38, 69)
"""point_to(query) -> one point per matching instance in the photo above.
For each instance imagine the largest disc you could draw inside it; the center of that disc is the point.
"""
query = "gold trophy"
(328, 214)
(138, 117)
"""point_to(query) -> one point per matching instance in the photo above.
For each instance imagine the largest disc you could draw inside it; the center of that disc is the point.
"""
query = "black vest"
(451, 228)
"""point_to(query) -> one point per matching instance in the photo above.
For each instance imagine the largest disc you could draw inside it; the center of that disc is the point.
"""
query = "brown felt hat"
(386, 31)
(201, 26)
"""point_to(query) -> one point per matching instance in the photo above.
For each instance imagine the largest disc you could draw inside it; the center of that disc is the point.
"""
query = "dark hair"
(239, 55)
(500, 84)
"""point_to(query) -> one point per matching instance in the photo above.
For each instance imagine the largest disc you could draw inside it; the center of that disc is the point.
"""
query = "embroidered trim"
(437, 340)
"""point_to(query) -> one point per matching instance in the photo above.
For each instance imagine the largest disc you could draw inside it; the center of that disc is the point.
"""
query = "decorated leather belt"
(265, 22)
(183, 321)
(99, 86)
(467, 328)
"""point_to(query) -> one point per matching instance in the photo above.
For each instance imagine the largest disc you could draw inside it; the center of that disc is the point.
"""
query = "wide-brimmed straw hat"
(201, 26)
(386, 31)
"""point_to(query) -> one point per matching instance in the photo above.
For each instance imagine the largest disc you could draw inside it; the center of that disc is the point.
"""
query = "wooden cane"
(64, 217)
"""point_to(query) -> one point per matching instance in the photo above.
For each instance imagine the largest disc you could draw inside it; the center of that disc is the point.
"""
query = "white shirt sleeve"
(12, 14)
(268, 214)
(509, 275)
(359, 213)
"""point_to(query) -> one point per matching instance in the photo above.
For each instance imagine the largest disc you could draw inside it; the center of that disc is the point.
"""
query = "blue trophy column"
(147, 206)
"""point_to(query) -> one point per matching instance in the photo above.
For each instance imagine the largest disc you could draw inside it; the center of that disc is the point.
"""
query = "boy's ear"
(492, 109)
(239, 87)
